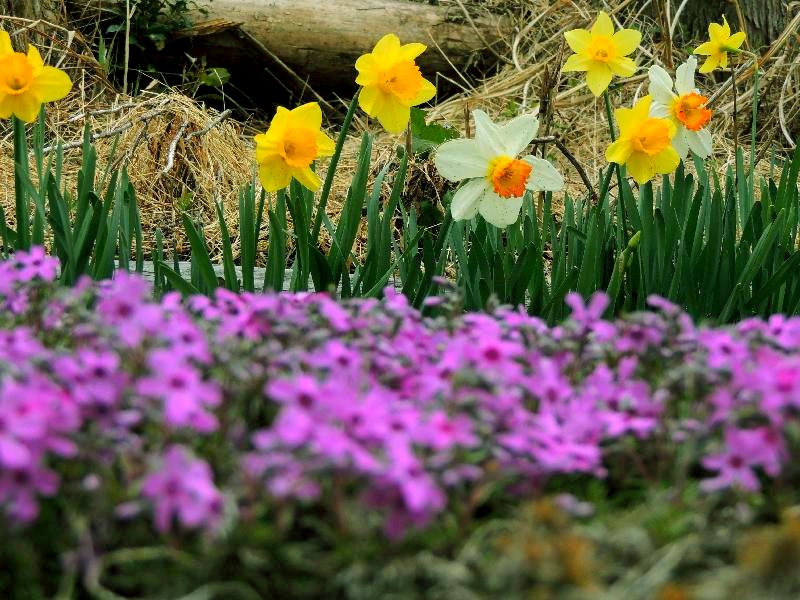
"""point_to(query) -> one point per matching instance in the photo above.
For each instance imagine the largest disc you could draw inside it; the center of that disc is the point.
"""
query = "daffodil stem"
(609, 116)
(337, 153)
(754, 127)
(612, 133)
(735, 122)
(20, 192)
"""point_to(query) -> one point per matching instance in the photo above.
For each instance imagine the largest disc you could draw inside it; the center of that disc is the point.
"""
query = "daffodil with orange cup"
(644, 145)
(496, 177)
(683, 104)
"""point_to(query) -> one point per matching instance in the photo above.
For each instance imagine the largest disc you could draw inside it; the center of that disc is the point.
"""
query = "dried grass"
(212, 164)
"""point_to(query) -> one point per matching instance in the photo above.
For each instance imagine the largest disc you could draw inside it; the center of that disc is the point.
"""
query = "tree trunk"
(47, 10)
(320, 40)
(764, 19)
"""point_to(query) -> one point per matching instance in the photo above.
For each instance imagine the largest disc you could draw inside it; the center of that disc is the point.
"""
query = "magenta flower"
(183, 489)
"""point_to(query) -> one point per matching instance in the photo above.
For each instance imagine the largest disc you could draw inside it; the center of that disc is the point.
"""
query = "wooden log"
(320, 40)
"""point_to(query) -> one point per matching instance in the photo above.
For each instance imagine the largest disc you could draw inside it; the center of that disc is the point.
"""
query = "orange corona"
(509, 176)
(691, 111)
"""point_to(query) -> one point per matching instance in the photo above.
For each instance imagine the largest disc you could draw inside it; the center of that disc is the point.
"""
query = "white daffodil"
(686, 108)
(496, 179)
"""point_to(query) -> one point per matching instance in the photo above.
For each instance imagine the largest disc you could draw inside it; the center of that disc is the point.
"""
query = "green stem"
(612, 133)
(20, 193)
(609, 116)
(755, 118)
(326, 187)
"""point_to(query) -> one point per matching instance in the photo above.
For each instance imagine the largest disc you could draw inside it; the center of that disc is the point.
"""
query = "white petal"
(660, 85)
(487, 135)
(457, 160)
(464, 205)
(544, 177)
(518, 133)
(500, 212)
(700, 142)
(680, 144)
(660, 110)
(684, 77)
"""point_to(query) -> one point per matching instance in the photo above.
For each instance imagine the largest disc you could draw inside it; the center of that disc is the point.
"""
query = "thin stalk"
(754, 118)
(326, 187)
(735, 125)
(20, 193)
(612, 133)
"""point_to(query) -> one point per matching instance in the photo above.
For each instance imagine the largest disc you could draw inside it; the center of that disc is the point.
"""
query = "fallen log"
(320, 41)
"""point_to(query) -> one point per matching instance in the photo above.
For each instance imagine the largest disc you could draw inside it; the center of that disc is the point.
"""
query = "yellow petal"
(735, 41)
(577, 62)
(666, 161)
(578, 39)
(642, 108)
(308, 115)
(394, 116)
(387, 46)
(365, 65)
(719, 33)
(598, 77)
(640, 167)
(619, 151)
(371, 100)
(628, 120)
(723, 60)
(325, 145)
(51, 84)
(711, 63)
(307, 178)
(279, 122)
(411, 51)
(603, 25)
(426, 92)
(622, 66)
(274, 175)
(35, 58)
(707, 49)
(266, 147)
(5, 43)
(24, 106)
(626, 41)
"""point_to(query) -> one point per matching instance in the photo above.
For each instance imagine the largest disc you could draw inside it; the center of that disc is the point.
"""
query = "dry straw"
(181, 155)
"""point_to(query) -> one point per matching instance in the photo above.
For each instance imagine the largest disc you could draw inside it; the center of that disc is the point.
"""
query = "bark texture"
(321, 39)
(48, 10)
(764, 19)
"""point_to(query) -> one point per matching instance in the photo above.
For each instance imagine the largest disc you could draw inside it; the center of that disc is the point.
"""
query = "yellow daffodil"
(392, 82)
(26, 83)
(645, 142)
(291, 144)
(720, 43)
(602, 53)
(495, 176)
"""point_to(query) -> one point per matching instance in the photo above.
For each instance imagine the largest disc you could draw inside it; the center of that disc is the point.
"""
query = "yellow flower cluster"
(654, 134)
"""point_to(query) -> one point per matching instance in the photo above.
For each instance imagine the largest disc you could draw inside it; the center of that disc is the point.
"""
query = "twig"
(285, 67)
(219, 119)
(781, 111)
(489, 47)
(551, 139)
(104, 111)
(173, 147)
(109, 133)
